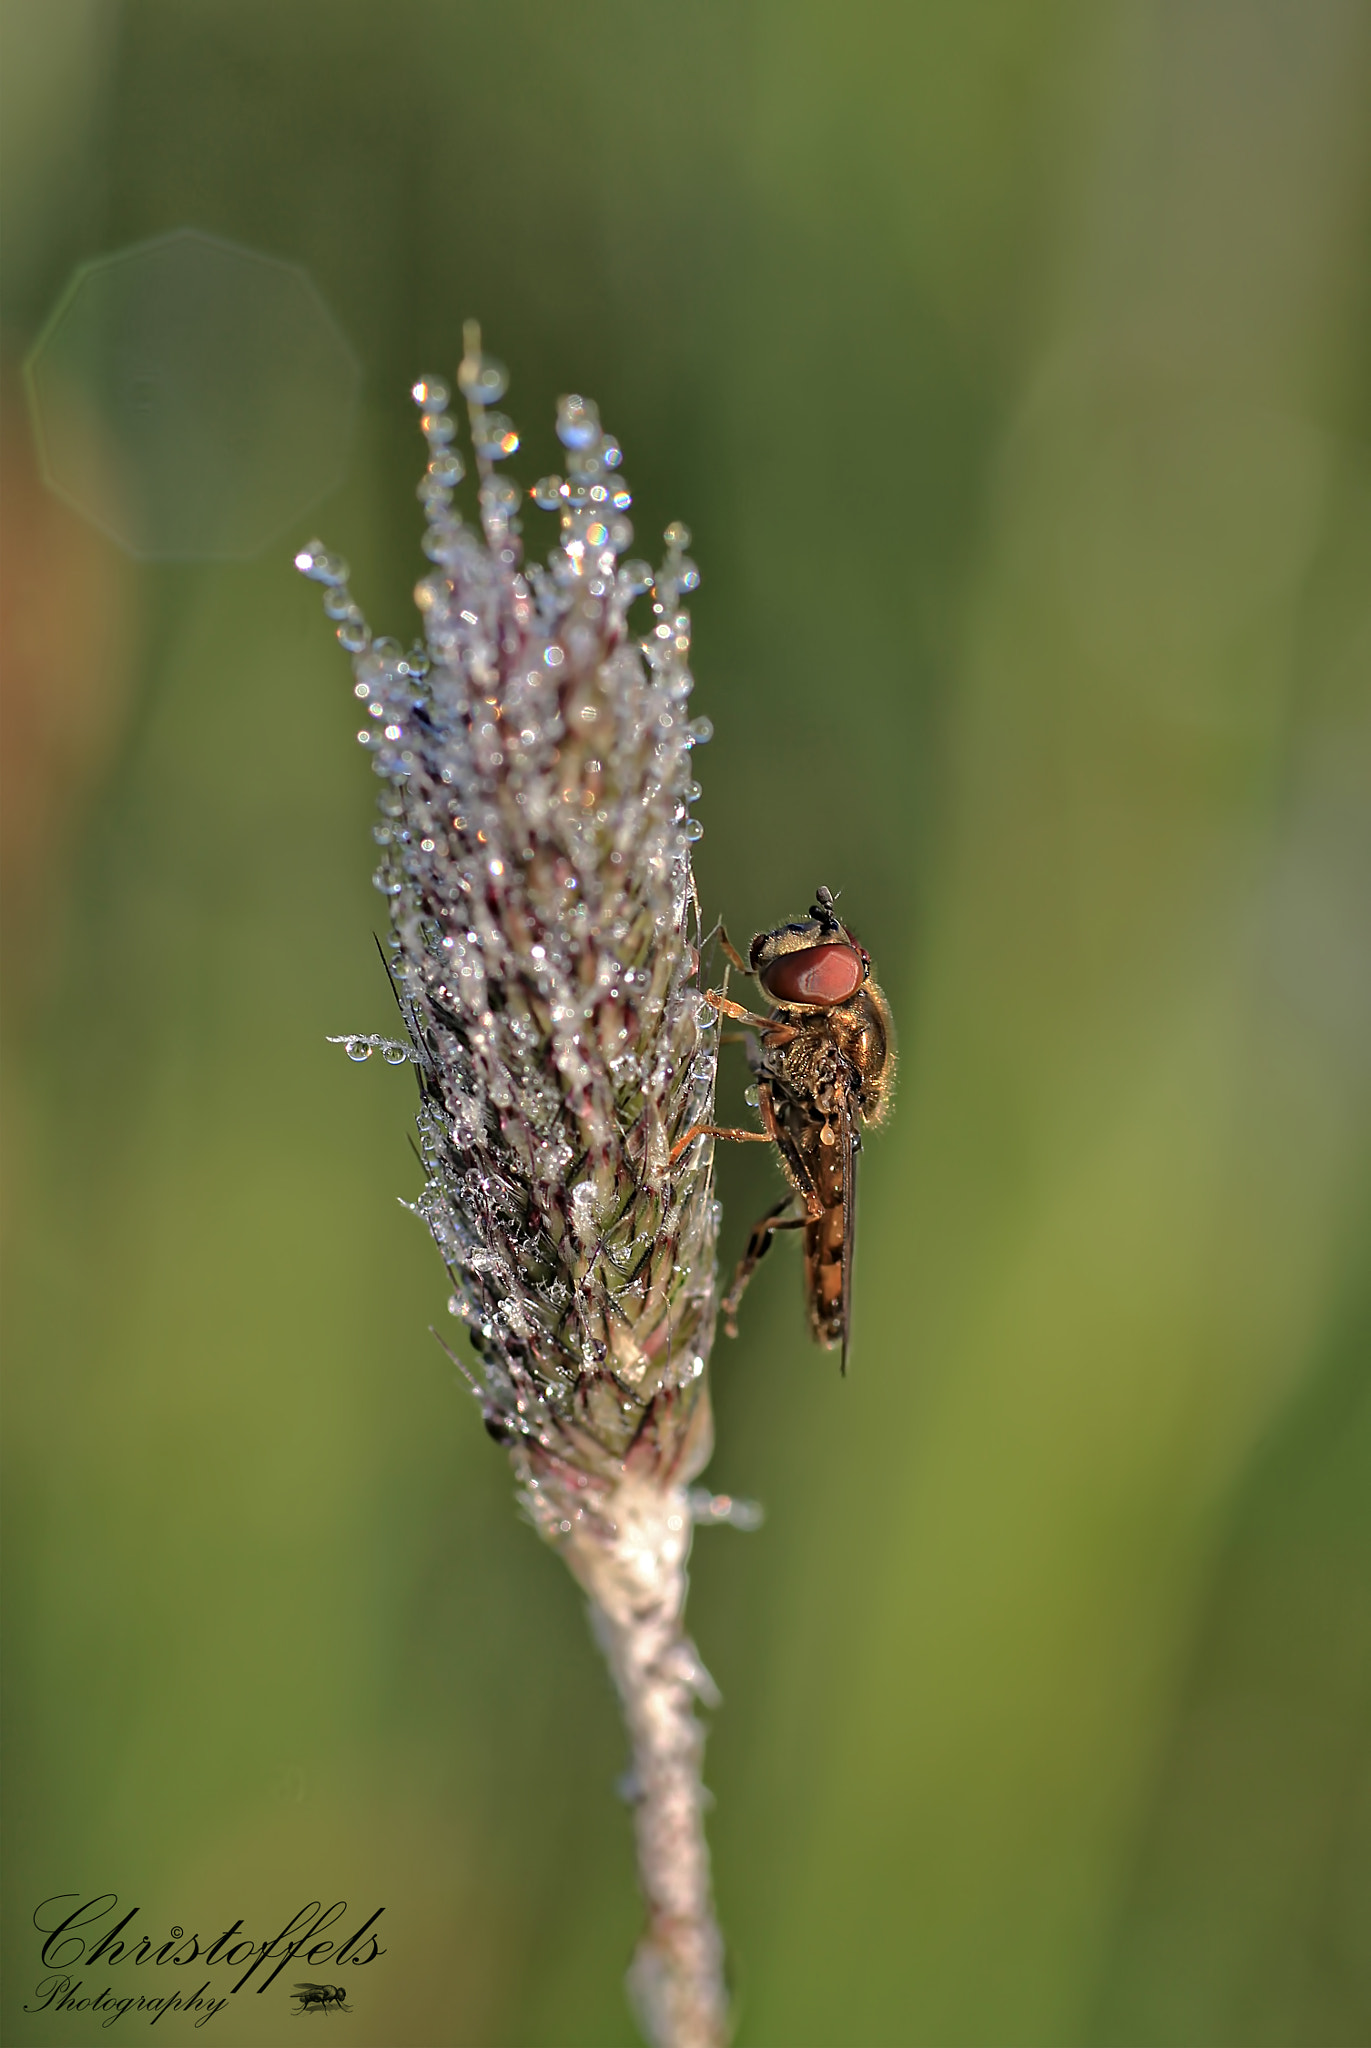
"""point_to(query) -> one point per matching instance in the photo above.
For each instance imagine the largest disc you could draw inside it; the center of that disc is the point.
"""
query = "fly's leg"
(731, 953)
(769, 1136)
(758, 1245)
(726, 1006)
(717, 1131)
(776, 1034)
(729, 950)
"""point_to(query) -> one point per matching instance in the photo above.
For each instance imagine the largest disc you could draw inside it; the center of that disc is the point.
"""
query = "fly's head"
(812, 964)
(818, 977)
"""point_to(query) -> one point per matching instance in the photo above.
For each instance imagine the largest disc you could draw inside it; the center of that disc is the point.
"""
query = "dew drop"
(431, 393)
(500, 496)
(578, 423)
(315, 561)
(494, 435)
(440, 543)
(481, 379)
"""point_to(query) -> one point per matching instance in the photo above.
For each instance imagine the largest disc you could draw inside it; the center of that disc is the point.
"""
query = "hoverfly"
(825, 1065)
(320, 1998)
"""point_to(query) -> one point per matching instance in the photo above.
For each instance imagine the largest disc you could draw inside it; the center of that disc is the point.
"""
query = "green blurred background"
(1008, 362)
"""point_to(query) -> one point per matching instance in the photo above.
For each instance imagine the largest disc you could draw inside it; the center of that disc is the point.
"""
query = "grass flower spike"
(534, 755)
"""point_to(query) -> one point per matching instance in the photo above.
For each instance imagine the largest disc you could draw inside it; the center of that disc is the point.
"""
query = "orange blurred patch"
(67, 618)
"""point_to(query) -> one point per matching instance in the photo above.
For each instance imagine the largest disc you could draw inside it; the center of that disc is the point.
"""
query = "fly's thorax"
(808, 1067)
(865, 1037)
(846, 1051)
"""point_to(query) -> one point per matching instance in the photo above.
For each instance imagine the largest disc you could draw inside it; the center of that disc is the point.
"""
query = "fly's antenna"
(822, 907)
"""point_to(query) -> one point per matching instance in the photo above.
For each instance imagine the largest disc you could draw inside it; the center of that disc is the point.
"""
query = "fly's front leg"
(758, 1245)
(729, 950)
(731, 953)
(776, 1034)
(717, 1131)
(728, 1008)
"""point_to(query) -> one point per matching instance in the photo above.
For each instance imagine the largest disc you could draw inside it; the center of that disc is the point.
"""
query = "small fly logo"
(320, 1998)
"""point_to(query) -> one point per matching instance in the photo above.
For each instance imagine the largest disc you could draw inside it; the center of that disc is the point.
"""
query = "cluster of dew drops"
(592, 499)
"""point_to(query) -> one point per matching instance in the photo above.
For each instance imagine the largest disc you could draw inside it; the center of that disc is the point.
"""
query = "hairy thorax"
(849, 1047)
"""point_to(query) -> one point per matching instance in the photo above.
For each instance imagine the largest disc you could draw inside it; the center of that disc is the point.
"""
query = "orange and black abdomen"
(827, 1241)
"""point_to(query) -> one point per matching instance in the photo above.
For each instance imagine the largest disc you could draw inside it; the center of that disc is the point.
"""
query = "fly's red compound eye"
(818, 974)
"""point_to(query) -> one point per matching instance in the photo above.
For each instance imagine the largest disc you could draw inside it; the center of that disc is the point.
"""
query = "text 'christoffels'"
(76, 1957)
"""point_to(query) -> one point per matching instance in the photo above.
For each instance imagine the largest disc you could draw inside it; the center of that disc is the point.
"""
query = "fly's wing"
(795, 1128)
(823, 1174)
(827, 1244)
(848, 1143)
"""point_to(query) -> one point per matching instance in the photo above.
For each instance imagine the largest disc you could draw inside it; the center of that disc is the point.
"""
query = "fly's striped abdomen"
(825, 1271)
(827, 1239)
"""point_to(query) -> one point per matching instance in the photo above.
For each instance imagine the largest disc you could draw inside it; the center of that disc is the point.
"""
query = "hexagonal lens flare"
(192, 398)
